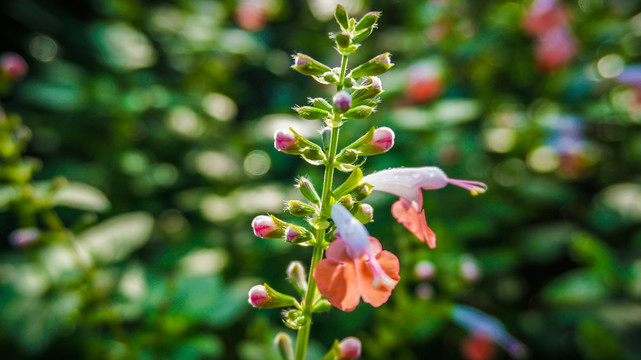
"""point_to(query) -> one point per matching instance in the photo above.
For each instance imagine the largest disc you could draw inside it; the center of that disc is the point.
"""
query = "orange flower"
(414, 221)
(344, 279)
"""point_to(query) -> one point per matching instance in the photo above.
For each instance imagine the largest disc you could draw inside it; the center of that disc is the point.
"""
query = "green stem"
(319, 245)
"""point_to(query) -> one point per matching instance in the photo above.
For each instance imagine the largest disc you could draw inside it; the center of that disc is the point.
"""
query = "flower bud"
(307, 189)
(342, 100)
(265, 227)
(376, 66)
(347, 201)
(326, 137)
(295, 319)
(330, 77)
(341, 17)
(24, 237)
(314, 155)
(297, 277)
(424, 270)
(365, 213)
(13, 66)
(367, 21)
(299, 208)
(350, 348)
(257, 296)
(264, 297)
(362, 191)
(306, 65)
(311, 113)
(296, 234)
(343, 39)
(375, 141)
(285, 141)
(284, 346)
(347, 156)
(383, 138)
(348, 82)
(359, 113)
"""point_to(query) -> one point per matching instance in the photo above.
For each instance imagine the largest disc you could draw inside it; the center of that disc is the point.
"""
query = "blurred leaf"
(200, 347)
(7, 194)
(114, 239)
(576, 288)
(545, 243)
(81, 196)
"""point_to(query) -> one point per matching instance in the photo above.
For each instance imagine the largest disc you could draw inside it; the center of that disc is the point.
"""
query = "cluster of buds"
(355, 266)
(548, 22)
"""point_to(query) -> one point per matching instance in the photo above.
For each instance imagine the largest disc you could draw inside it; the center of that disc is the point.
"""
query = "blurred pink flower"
(544, 16)
(555, 49)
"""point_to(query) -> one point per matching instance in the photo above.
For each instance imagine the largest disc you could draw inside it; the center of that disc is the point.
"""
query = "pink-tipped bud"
(291, 234)
(258, 296)
(343, 100)
(376, 83)
(13, 66)
(350, 348)
(424, 270)
(263, 226)
(21, 238)
(367, 209)
(299, 60)
(383, 138)
(284, 139)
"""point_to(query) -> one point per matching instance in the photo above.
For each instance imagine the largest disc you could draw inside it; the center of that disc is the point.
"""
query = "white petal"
(351, 230)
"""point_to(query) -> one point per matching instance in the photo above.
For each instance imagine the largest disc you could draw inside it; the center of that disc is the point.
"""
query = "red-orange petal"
(414, 221)
(377, 296)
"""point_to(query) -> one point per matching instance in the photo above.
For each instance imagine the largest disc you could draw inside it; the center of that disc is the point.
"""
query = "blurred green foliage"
(152, 124)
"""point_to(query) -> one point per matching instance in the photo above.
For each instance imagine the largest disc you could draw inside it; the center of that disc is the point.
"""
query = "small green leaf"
(81, 196)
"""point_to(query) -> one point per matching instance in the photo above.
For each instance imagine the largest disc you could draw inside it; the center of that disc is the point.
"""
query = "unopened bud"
(383, 138)
(350, 348)
(24, 237)
(283, 344)
(13, 66)
(347, 156)
(296, 234)
(358, 38)
(343, 100)
(311, 112)
(343, 39)
(326, 137)
(264, 297)
(376, 83)
(299, 208)
(285, 141)
(367, 21)
(297, 277)
(359, 113)
(330, 77)
(362, 191)
(307, 189)
(295, 319)
(306, 65)
(376, 66)
(266, 228)
(347, 201)
(365, 213)
(424, 270)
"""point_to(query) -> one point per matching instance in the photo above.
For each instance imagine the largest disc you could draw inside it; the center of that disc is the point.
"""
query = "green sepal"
(317, 223)
(320, 103)
(359, 112)
(350, 184)
(303, 237)
(311, 112)
(345, 51)
(276, 299)
(334, 353)
(376, 66)
(358, 213)
(347, 156)
(367, 21)
(307, 189)
(369, 102)
(360, 37)
(300, 209)
(365, 93)
(343, 39)
(321, 305)
(363, 146)
(311, 67)
(346, 201)
(340, 14)
(362, 191)
(295, 319)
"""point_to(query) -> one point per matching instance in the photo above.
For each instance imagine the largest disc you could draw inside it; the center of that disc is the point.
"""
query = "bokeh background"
(146, 139)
